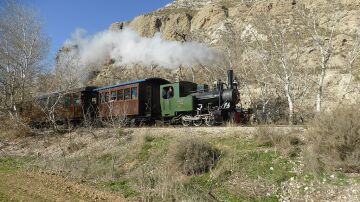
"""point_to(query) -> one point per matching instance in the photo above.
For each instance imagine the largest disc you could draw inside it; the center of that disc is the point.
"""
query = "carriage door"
(148, 103)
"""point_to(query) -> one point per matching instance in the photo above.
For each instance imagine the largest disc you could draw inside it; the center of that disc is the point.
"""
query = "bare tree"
(69, 72)
(68, 75)
(322, 38)
(23, 47)
(279, 61)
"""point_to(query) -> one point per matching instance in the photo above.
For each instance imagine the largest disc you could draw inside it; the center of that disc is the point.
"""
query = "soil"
(29, 186)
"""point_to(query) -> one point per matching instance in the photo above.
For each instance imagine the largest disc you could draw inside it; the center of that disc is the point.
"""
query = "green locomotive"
(190, 103)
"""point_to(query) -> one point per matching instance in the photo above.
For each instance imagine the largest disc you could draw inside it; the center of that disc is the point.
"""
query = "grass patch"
(225, 195)
(265, 165)
(5, 198)
(270, 198)
(287, 144)
(12, 164)
(235, 143)
(203, 181)
(245, 156)
(121, 186)
(106, 158)
(151, 144)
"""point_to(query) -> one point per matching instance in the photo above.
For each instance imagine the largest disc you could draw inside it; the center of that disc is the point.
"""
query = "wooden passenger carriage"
(68, 107)
(136, 100)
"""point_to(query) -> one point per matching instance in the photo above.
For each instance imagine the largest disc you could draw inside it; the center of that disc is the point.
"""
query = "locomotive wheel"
(185, 122)
(210, 121)
(198, 122)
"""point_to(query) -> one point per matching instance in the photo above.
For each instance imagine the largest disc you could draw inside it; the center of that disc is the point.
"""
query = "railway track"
(217, 127)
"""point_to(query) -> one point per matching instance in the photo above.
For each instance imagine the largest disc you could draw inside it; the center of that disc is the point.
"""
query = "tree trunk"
(321, 87)
(290, 102)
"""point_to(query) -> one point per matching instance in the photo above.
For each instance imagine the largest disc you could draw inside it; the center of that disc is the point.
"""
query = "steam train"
(150, 100)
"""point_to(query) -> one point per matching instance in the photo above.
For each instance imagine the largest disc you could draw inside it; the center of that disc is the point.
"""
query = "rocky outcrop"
(209, 15)
(219, 22)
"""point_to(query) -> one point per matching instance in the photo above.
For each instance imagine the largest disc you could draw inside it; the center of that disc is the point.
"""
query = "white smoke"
(128, 47)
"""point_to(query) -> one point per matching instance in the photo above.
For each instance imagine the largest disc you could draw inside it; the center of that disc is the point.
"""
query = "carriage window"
(120, 94)
(106, 96)
(168, 92)
(113, 95)
(134, 93)
(127, 94)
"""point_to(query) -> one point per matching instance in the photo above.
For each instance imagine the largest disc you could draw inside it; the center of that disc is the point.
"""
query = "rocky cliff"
(227, 24)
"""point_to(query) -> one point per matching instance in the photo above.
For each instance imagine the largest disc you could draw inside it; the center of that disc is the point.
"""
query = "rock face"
(204, 20)
(219, 22)
(213, 21)
(209, 15)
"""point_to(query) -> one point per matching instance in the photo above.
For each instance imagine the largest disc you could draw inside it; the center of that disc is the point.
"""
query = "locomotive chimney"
(230, 75)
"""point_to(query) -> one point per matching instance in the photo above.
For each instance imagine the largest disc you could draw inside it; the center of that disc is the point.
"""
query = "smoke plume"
(127, 47)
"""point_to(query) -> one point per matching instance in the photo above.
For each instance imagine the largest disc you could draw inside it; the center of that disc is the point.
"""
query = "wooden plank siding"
(118, 106)
(146, 104)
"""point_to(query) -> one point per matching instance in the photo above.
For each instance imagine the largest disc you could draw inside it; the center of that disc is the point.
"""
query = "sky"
(62, 17)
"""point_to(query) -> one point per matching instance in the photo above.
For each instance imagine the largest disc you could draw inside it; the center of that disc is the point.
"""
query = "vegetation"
(155, 167)
(23, 47)
(12, 164)
(195, 156)
(267, 166)
(333, 140)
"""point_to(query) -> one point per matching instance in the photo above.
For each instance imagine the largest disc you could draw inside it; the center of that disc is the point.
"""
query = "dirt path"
(26, 186)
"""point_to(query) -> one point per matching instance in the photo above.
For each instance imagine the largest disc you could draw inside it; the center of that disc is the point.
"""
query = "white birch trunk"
(290, 101)
(320, 91)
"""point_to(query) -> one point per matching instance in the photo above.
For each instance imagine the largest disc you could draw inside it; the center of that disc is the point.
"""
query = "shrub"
(334, 139)
(195, 156)
(287, 144)
(74, 147)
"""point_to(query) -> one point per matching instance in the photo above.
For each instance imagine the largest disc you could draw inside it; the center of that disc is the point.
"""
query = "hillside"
(142, 164)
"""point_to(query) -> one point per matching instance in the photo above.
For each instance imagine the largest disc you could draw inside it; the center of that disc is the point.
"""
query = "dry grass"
(334, 139)
(195, 156)
(287, 144)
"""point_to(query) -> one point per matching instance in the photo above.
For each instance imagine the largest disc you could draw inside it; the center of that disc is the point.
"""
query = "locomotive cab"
(176, 98)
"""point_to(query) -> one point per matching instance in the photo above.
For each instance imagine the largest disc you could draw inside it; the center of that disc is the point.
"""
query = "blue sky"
(62, 17)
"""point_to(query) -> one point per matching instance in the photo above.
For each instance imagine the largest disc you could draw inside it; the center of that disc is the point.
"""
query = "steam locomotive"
(196, 104)
(153, 99)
